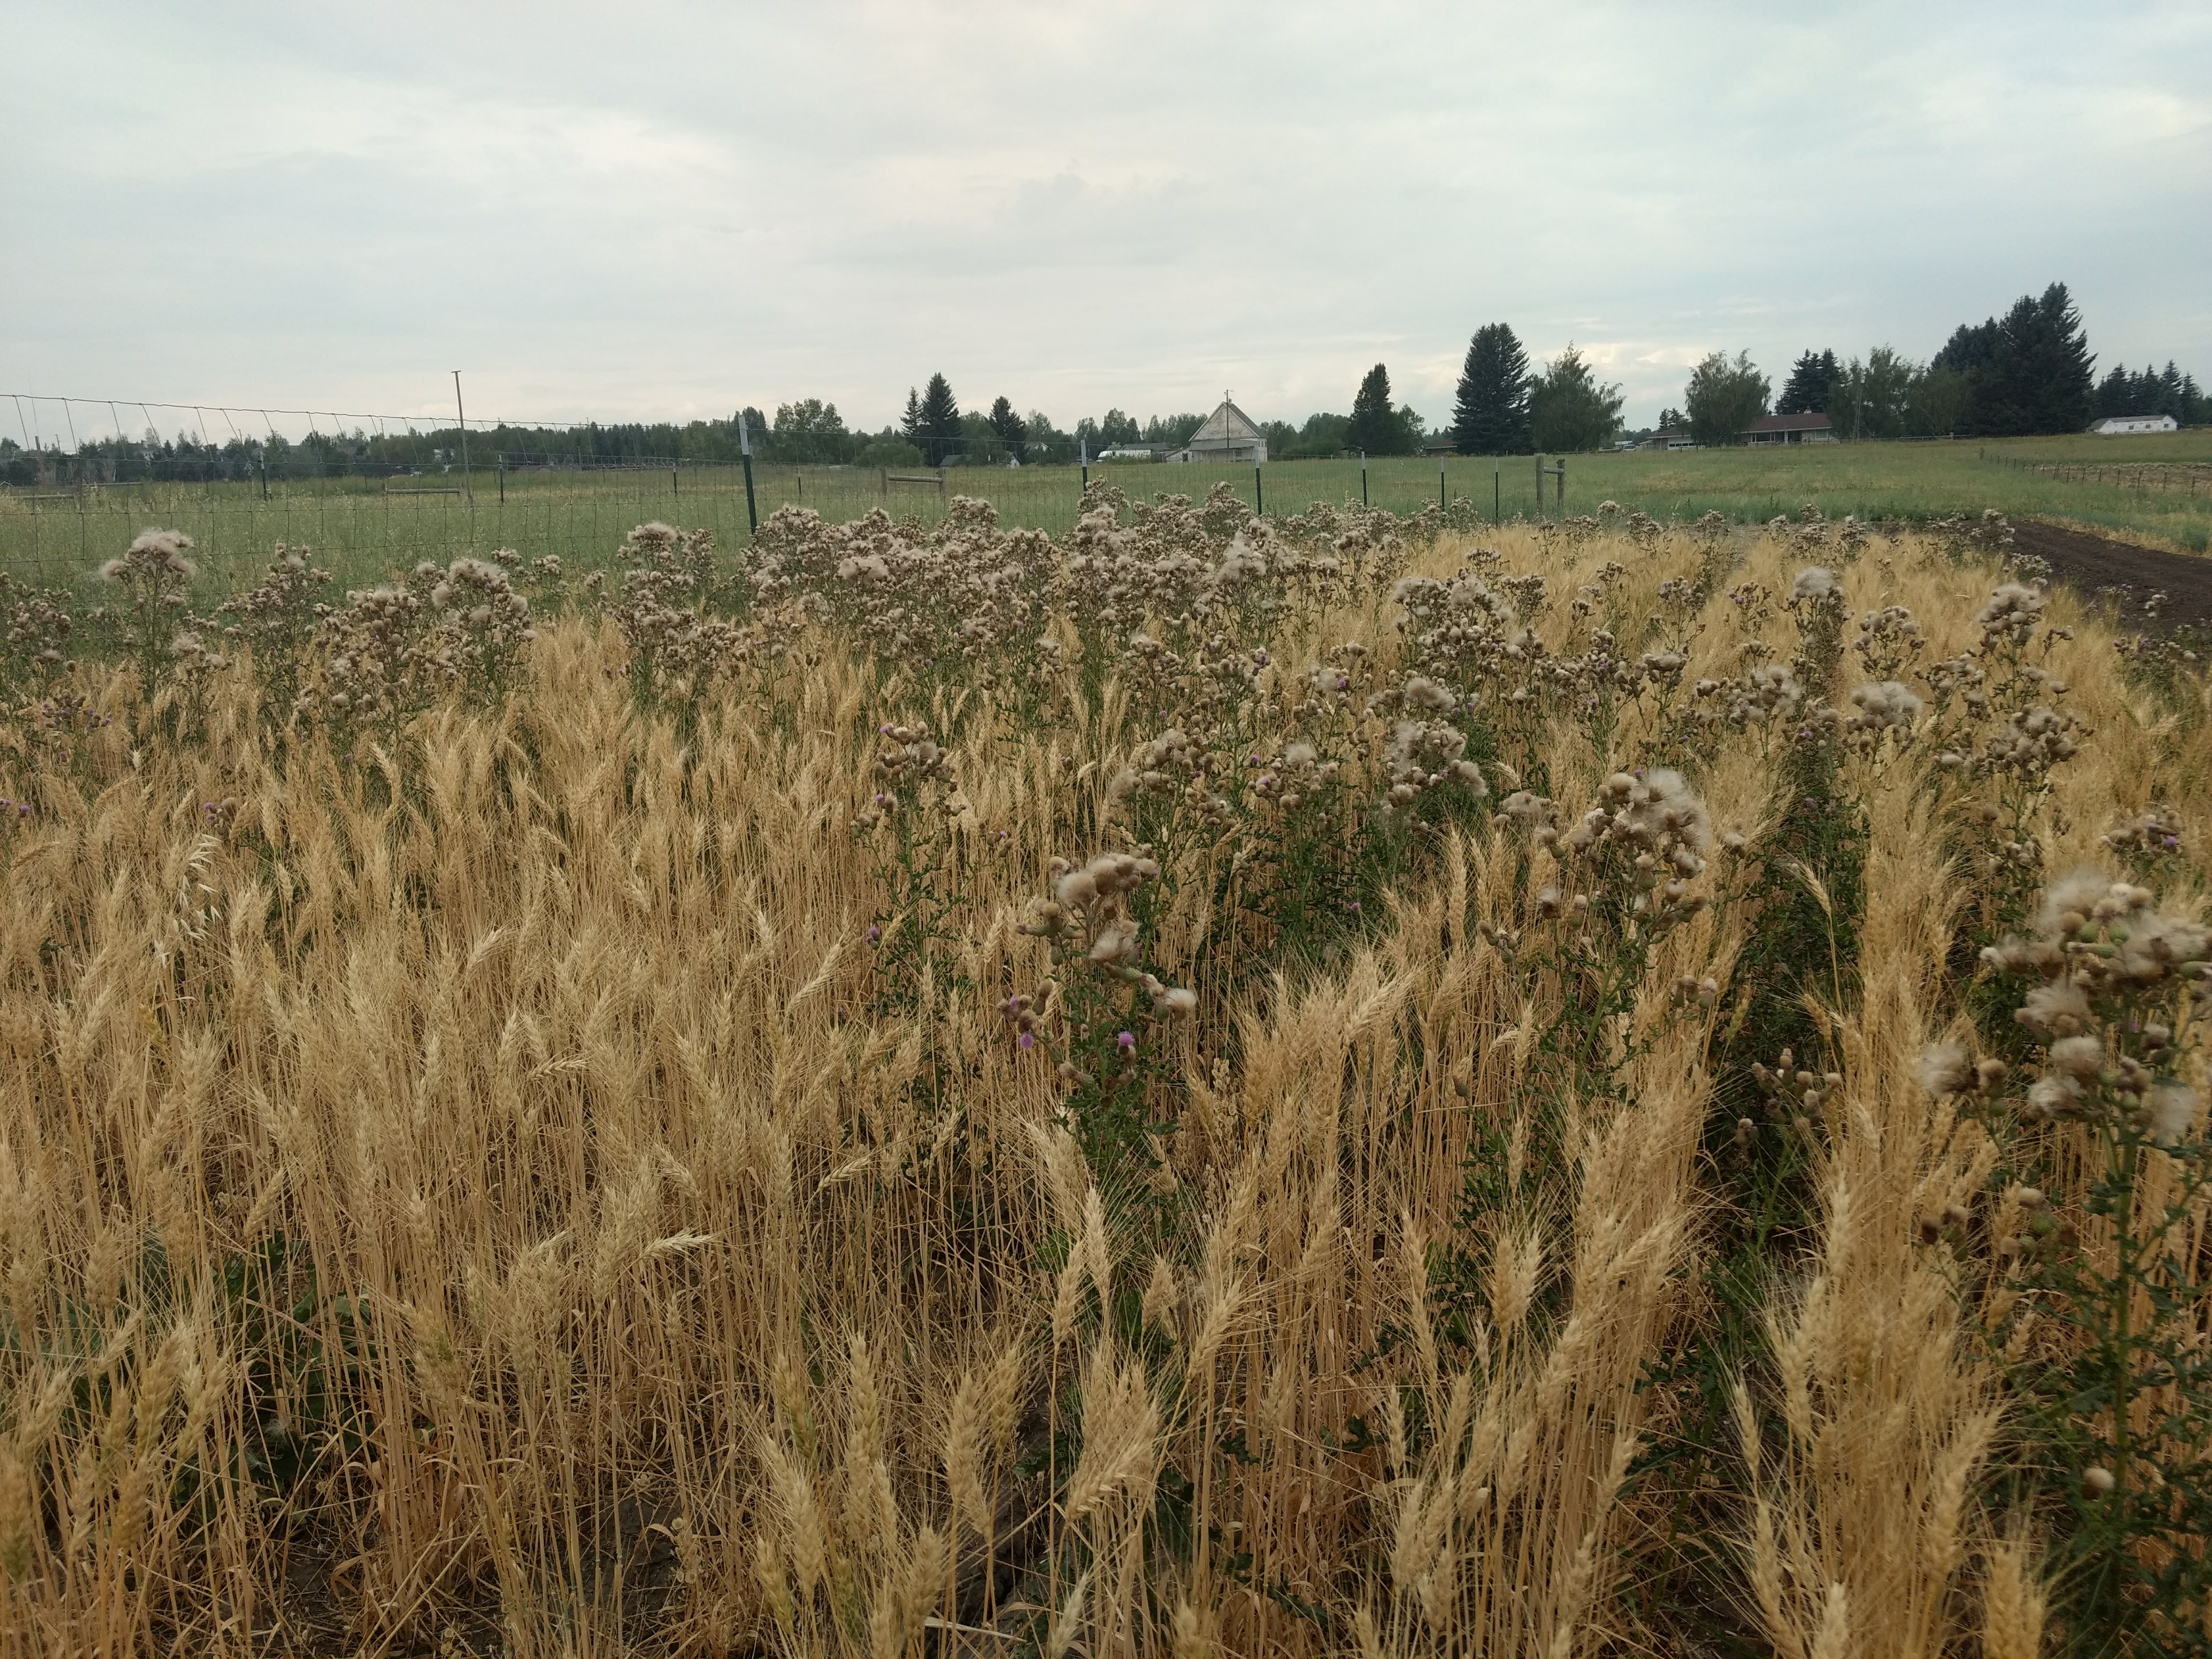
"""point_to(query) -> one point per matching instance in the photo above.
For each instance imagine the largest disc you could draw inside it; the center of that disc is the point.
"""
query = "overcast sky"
(659, 212)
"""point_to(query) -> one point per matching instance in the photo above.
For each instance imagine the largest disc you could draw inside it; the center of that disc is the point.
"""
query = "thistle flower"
(2078, 1057)
(1812, 582)
(1885, 703)
(2056, 1010)
(2170, 1112)
(2053, 1095)
(1944, 1068)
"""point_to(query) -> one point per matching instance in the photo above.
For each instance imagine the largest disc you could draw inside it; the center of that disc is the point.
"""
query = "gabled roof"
(1814, 422)
(1227, 425)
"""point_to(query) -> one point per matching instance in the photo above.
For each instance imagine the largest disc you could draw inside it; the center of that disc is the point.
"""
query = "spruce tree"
(1810, 379)
(910, 422)
(2029, 372)
(940, 421)
(1007, 427)
(1490, 414)
(2047, 368)
(1375, 428)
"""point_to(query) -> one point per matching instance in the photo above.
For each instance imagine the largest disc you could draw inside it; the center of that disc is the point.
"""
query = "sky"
(651, 211)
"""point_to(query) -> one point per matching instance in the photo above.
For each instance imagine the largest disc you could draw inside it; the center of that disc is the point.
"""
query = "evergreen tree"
(910, 422)
(1490, 414)
(941, 421)
(1672, 420)
(2032, 372)
(1007, 427)
(2048, 366)
(1376, 428)
(1723, 398)
(1806, 391)
(1119, 429)
(1569, 410)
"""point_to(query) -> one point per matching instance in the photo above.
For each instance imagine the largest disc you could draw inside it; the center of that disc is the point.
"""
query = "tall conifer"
(1490, 414)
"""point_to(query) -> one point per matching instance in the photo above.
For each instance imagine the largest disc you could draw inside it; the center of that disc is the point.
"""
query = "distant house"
(1671, 437)
(2112, 425)
(1229, 435)
(1129, 452)
(1790, 429)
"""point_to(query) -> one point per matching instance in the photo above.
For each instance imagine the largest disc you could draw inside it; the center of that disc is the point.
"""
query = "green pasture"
(2156, 489)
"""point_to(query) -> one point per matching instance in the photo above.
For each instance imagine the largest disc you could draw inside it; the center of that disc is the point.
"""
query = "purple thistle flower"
(1027, 1039)
(1126, 1041)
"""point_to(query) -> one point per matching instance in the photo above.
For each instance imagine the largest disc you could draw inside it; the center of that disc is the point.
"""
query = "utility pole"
(463, 414)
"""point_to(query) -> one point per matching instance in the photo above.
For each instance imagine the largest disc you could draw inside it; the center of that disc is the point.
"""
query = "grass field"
(2154, 489)
(1167, 1091)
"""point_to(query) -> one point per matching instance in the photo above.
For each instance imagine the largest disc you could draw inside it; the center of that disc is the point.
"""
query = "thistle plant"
(275, 623)
(155, 578)
(1104, 1021)
(2096, 1307)
(36, 629)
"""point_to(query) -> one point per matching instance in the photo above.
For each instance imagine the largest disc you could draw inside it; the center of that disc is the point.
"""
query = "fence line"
(2192, 478)
(363, 529)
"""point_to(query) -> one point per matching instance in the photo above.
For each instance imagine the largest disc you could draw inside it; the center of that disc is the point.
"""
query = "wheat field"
(945, 1091)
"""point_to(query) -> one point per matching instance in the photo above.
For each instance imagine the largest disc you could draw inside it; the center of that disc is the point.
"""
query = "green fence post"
(745, 451)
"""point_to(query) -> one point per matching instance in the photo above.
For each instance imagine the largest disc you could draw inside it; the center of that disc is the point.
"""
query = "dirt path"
(2097, 567)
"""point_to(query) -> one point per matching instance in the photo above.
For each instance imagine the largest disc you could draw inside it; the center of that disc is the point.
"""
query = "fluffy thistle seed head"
(1944, 1068)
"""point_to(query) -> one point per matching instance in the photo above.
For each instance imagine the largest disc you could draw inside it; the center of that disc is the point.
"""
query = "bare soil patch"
(2123, 575)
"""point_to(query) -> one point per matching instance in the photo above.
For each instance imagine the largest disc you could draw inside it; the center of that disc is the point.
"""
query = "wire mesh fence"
(366, 527)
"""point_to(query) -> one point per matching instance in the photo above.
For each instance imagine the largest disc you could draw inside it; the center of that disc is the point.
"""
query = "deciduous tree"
(1569, 409)
(1723, 398)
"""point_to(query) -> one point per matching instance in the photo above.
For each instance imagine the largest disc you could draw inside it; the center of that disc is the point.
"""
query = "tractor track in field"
(2123, 576)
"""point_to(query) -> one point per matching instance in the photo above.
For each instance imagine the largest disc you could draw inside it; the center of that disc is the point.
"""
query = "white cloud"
(665, 209)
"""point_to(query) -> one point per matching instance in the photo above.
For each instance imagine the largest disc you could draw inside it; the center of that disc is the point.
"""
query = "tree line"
(2029, 371)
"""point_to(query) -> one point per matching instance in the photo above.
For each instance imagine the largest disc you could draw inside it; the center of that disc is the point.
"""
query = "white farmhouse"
(1229, 435)
(2112, 425)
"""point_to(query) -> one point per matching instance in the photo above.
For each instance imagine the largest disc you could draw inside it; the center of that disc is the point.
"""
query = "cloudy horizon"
(665, 212)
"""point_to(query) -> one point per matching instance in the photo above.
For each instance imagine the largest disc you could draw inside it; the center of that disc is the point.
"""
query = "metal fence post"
(1497, 492)
(1363, 477)
(745, 451)
(467, 483)
(1443, 506)
(1259, 499)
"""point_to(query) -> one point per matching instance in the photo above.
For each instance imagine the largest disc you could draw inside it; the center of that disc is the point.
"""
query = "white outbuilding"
(2112, 425)
(1229, 435)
